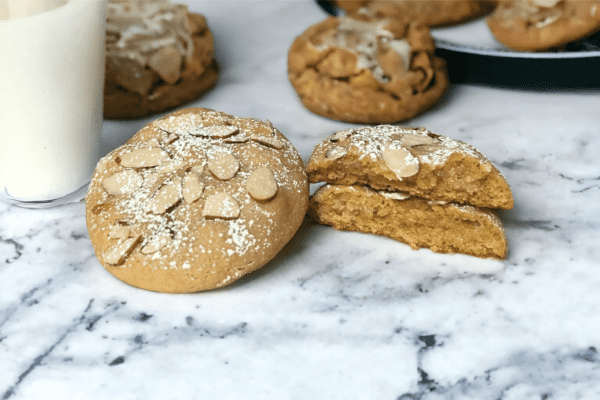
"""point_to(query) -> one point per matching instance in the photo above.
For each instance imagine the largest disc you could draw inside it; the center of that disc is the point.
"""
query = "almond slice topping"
(122, 182)
(119, 231)
(192, 187)
(237, 139)
(214, 131)
(342, 135)
(165, 197)
(268, 141)
(261, 184)
(401, 162)
(415, 140)
(170, 138)
(394, 195)
(223, 165)
(221, 205)
(199, 168)
(146, 157)
(171, 166)
(116, 254)
(156, 243)
(336, 152)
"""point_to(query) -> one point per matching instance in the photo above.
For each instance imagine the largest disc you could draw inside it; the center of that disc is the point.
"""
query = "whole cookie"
(365, 70)
(195, 200)
(431, 13)
(158, 56)
(538, 25)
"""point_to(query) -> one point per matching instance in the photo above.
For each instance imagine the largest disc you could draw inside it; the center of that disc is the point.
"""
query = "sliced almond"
(122, 182)
(170, 138)
(172, 166)
(237, 139)
(336, 152)
(167, 64)
(415, 140)
(146, 157)
(223, 165)
(545, 3)
(268, 141)
(261, 184)
(221, 205)
(153, 142)
(341, 135)
(165, 197)
(119, 231)
(192, 187)
(401, 162)
(215, 131)
(393, 195)
(116, 254)
(156, 243)
(198, 169)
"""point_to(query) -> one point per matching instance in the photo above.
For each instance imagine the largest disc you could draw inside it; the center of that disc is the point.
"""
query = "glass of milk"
(51, 94)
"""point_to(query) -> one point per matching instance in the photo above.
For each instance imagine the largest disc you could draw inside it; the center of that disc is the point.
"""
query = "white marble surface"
(336, 315)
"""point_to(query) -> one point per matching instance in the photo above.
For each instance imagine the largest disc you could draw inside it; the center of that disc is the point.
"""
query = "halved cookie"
(538, 25)
(366, 70)
(415, 161)
(439, 226)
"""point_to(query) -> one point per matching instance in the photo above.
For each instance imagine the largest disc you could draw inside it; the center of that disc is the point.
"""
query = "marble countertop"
(337, 315)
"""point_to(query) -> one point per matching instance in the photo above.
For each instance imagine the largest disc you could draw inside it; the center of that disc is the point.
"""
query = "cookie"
(158, 56)
(195, 200)
(431, 13)
(539, 25)
(365, 70)
(440, 226)
(416, 161)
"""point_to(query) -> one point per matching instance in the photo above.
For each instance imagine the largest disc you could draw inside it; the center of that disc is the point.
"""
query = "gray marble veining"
(337, 315)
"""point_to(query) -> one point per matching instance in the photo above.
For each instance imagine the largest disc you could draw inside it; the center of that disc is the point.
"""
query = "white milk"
(51, 82)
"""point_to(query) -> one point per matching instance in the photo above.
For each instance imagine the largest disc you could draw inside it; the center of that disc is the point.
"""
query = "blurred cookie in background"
(432, 13)
(363, 69)
(541, 25)
(158, 56)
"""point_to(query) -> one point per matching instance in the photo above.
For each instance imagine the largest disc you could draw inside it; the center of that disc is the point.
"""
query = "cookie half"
(411, 160)
(538, 25)
(431, 13)
(158, 57)
(439, 226)
(195, 200)
(366, 70)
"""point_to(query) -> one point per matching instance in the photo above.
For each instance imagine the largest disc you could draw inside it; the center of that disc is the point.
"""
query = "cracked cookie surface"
(366, 70)
(195, 200)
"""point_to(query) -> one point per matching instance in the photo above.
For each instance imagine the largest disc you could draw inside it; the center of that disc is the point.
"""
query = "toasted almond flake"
(192, 187)
(214, 131)
(393, 195)
(153, 142)
(165, 197)
(172, 166)
(156, 243)
(122, 182)
(167, 64)
(336, 152)
(237, 139)
(170, 138)
(146, 157)
(116, 254)
(261, 184)
(341, 135)
(221, 205)
(268, 141)
(198, 169)
(401, 162)
(223, 165)
(119, 231)
(415, 140)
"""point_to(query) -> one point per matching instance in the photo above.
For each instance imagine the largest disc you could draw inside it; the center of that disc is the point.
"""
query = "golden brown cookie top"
(414, 160)
(199, 192)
